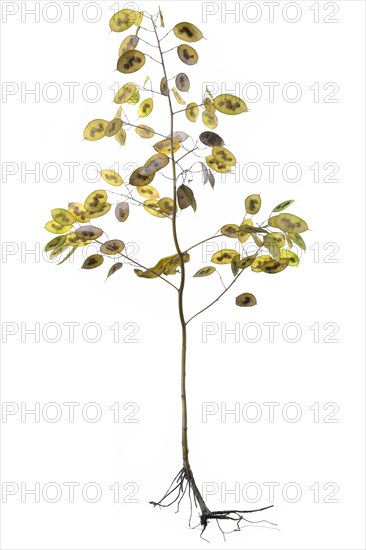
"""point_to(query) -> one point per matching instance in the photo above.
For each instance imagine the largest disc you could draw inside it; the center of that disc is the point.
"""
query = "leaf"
(101, 211)
(113, 127)
(187, 32)
(293, 259)
(128, 44)
(209, 119)
(114, 269)
(154, 164)
(89, 232)
(258, 241)
(272, 246)
(165, 146)
(121, 136)
(62, 216)
(283, 206)
(178, 97)
(95, 260)
(122, 211)
(131, 62)
(123, 20)
(246, 300)
(253, 204)
(138, 179)
(298, 240)
(148, 191)
(182, 82)
(224, 156)
(187, 54)
(125, 93)
(234, 265)
(211, 139)
(275, 266)
(186, 197)
(55, 243)
(111, 177)
(246, 262)
(164, 88)
(146, 107)
(152, 207)
(223, 256)
(192, 112)
(205, 271)
(166, 205)
(145, 131)
(230, 230)
(217, 166)
(230, 104)
(95, 201)
(289, 241)
(289, 223)
(72, 251)
(95, 129)
(112, 247)
(56, 228)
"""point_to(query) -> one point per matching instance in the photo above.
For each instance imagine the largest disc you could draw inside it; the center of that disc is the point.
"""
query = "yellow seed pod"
(192, 112)
(57, 228)
(121, 136)
(148, 191)
(128, 44)
(62, 216)
(259, 262)
(242, 236)
(78, 211)
(145, 131)
(208, 105)
(293, 258)
(146, 107)
(95, 201)
(112, 247)
(93, 261)
(230, 104)
(210, 120)
(138, 179)
(111, 177)
(125, 93)
(73, 240)
(122, 20)
(230, 230)
(151, 206)
(205, 271)
(135, 98)
(224, 256)
(101, 211)
(178, 97)
(95, 129)
(217, 166)
(113, 127)
(130, 62)
(223, 156)
(187, 32)
(187, 54)
(165, 146)
(253, 204)
(154, 163)
(166, 205)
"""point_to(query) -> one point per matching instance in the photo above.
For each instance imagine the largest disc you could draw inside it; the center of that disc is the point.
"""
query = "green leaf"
(93, 261)
(187, 32)
(289, 223)
(246, 300)
(283, 206)
(230, 104)
(253, 204)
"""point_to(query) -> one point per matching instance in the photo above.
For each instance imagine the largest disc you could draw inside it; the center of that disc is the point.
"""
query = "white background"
(326, 288)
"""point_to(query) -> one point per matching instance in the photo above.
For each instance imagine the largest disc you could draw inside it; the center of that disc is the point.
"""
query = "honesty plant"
(75, 227)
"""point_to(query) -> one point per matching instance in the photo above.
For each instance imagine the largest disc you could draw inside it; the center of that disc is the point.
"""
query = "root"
(178, 488)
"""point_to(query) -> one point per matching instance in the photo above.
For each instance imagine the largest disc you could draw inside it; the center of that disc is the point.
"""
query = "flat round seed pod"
(131, 62)
(246, 300)
(112, 247)
(164, 88)
(78, 211)
(138, 179)
(211, 139)
(187, 54)
(178, 97)
(182, 82)
(55, 243)
(56, 228)
(205, 271)
(101, 211)
(128, 44)
(224, 156)
(62, 216)
(217, 166)
(192, 112)
(230, 104)
(165, 146)
(115, 267)
(95, 129)
(224, 256)
(209, 119)
(146, 107)
(166, 205)
(122, 211)
(93, 261)
(111, 177)
(125, 93)
(148, 192)
(253, 204)
(95, 201)
(122, 20)
(187, 32)
(145, 131)
(289, 223)
(151, 206)
(154, 163)
(113, 127)
(89, 232)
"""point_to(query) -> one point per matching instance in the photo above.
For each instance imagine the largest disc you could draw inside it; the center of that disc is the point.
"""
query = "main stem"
(183, 322)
